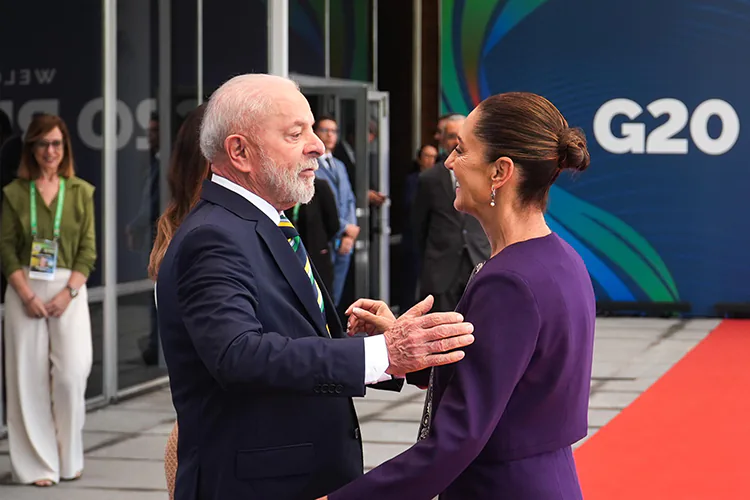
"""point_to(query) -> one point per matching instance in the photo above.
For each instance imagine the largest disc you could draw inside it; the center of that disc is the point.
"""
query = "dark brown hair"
(323, 118)
(187, 170)
(40, 126)
(530, 130)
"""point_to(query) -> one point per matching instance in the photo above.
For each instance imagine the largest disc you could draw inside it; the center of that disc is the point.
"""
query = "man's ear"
(238, 151)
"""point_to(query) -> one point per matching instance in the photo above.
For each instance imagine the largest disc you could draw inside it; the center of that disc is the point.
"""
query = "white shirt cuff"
(376, 360)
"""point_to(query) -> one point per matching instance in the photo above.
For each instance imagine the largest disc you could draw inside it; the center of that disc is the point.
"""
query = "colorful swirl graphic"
(621, 262)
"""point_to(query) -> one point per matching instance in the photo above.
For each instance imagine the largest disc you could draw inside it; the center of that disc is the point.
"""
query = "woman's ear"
(502, 170)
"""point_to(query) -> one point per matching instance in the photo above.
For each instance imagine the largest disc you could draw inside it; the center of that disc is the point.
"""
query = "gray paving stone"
(390, 432)
(639, 385)
(138, 448)
(114, 420)
(702, 324)
(408, 392)
(377, 453)
(615, 332)
(600, 418)
(410, 412)
(618, 349)
(62, 493)
(603, 369)
(132, 475)
(160, 430)
(612, 400)
(159, 401)
(638, 323)
(90, 440)
(690, 334)
(366, 408)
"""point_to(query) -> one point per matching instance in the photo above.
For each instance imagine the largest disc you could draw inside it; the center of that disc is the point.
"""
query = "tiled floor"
(125, 442)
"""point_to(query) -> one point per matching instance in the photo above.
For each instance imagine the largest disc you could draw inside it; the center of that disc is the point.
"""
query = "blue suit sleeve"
(217, 297)
(506, 320)
(349, 201)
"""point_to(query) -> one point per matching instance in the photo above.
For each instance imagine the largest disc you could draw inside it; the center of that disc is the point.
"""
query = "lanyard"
(58, 213)
(295, 214)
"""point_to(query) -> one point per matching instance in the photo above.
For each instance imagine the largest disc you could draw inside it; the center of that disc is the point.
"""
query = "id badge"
(43, 259)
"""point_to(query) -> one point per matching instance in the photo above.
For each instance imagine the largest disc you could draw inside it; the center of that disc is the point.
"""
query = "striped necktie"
(295, 242)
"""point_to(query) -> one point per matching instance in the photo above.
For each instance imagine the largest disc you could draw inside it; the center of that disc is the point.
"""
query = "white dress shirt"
(376, 352)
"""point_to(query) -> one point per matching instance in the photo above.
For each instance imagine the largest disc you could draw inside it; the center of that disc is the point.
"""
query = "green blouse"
(77, 244)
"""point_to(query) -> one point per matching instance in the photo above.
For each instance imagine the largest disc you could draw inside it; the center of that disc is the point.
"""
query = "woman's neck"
(505, 226)
(48, 176)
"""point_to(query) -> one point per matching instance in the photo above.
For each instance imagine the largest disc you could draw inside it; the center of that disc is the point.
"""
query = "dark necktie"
(295, 242)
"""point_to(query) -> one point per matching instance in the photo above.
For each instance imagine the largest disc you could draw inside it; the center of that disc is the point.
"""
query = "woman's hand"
(369, 316)
(56, 307)
(35, 308)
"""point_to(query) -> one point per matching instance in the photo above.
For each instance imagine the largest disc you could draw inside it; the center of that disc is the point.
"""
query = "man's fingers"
(444, 359)
(421, 308)
(450, 343)
(437, 319)
(370, 319)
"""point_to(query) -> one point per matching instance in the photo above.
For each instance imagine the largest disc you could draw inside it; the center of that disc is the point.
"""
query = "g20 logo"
(633, 138)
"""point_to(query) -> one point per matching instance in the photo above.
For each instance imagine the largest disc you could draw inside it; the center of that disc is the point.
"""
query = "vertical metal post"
(327, 29)
(164, 98)
(375, 44)
(199, 49)
(109, 198)
(416, 129)
(278, 37)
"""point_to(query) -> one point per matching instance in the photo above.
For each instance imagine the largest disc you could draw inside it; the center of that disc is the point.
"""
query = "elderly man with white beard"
(262, 373)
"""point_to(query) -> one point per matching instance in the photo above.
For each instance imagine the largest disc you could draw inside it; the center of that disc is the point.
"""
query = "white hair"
(236, 107)
(455, 117)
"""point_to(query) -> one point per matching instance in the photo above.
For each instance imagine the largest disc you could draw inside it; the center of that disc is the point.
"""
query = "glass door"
(358, 111)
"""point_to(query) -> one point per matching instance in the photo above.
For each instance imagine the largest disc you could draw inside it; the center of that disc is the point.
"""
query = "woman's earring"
(492, 198)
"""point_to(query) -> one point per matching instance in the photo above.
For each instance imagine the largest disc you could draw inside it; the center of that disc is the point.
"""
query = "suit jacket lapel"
(277, 243)
(445, 176)
(293, 272)
(332, 316)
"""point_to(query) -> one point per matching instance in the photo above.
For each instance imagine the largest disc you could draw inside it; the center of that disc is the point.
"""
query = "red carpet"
(687, 437)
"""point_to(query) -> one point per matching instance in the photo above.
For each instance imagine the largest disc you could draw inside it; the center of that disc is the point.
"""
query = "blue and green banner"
(659, 88)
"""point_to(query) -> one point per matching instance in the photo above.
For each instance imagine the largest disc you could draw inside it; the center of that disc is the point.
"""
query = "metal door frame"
(363, 94)
(383, 238)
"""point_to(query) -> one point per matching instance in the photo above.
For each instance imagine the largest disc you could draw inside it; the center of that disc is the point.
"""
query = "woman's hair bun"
(572, 151)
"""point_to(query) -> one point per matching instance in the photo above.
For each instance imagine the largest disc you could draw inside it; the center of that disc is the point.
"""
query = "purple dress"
(501, 422)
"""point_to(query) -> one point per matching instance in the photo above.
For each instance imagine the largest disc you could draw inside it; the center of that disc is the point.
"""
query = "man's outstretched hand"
(417, 340)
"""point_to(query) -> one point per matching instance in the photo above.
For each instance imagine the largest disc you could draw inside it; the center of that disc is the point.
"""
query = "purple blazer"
(503, 419)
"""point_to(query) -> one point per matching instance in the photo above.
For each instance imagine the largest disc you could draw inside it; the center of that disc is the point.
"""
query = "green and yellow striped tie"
(295, 242)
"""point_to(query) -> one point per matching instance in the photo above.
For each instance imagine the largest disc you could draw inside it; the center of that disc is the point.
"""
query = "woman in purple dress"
(500, 423)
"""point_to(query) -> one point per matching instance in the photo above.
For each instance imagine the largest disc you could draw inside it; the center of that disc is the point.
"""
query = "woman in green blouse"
(48, 250)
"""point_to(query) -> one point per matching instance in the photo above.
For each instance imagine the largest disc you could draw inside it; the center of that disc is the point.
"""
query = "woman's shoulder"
(85, 188)
(16, 189)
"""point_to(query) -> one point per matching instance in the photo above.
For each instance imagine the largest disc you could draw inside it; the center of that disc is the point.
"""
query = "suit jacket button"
(317, 389)
(324, 389)
(339, 388)
(357, 434)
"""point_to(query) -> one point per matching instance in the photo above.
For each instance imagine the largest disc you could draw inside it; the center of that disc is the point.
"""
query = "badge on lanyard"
(44, 252)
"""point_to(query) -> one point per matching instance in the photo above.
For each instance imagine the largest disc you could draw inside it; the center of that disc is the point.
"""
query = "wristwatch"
(73, 291)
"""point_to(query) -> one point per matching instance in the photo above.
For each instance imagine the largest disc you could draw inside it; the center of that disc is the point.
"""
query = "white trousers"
(47, 364)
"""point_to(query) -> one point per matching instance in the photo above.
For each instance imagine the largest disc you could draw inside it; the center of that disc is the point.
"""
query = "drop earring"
(492, 198)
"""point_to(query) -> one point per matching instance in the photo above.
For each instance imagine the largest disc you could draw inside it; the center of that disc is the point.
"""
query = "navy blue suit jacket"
(263, 395)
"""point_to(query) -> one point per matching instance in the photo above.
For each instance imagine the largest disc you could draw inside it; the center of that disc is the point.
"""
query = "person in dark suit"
(261, 372)
(318, 224)
(500, 423)
(450, 243)
(425, 160)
